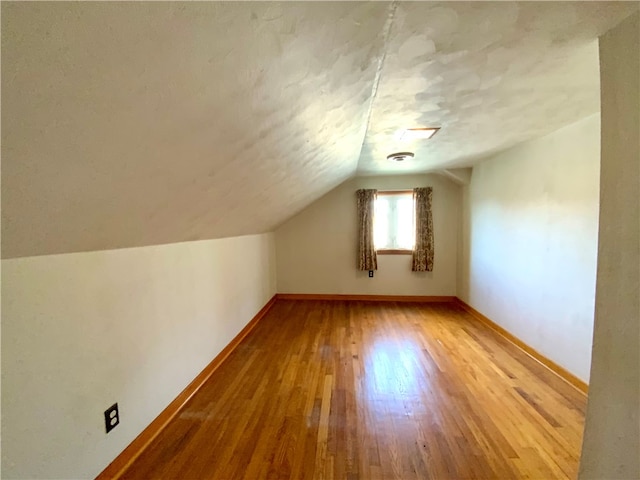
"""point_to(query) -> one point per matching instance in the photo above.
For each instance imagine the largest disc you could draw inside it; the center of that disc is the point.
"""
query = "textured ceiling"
(130, 124)
(491, 74)
(136, 123)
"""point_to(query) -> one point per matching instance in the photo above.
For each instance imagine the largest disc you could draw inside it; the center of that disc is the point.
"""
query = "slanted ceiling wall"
(530, 230)
(316, 249)
(84, 330)
(127, 124)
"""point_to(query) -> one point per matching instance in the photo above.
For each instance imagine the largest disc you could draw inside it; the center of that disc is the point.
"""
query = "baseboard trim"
(550, 364)
(367, 298)
(120, 464)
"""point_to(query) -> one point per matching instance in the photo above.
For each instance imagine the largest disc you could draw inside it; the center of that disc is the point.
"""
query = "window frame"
(394, 251)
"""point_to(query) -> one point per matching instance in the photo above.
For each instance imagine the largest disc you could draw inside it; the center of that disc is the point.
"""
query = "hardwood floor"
(357, 390)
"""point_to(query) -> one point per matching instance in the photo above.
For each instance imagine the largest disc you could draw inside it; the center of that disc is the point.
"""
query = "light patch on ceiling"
(411, 134)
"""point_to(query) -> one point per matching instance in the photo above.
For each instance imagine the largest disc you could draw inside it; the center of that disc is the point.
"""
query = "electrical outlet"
(370, 273)
(111, 417)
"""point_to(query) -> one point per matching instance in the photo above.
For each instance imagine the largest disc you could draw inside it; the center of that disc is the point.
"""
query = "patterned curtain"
(367, 256)
(423, 250)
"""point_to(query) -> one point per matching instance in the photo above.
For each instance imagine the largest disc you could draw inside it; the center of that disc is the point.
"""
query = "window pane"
(393, 222)
(381, 223)
(404, 226)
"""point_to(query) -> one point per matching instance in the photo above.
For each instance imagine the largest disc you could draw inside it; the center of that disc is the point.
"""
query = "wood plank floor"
(357, 390)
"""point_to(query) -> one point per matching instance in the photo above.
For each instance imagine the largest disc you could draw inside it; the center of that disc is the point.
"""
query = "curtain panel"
(423, 250)
(367, 256)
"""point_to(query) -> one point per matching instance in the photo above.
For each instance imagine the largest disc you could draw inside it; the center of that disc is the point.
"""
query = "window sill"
(394, 252)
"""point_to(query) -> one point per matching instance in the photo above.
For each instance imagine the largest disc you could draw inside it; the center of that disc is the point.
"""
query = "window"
(393, 225)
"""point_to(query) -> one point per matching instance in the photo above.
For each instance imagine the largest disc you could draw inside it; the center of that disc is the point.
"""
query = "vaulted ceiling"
(131, 124)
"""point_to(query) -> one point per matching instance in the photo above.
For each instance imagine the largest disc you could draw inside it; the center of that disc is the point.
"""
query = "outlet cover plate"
(111, 417)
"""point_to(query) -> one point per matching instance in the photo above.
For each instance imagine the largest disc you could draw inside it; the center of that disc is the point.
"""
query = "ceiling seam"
(386, 30)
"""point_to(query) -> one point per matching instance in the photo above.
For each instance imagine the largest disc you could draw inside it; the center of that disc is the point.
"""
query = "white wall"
(531, 220)
(611, 447)
(328, 228)
(84, 330)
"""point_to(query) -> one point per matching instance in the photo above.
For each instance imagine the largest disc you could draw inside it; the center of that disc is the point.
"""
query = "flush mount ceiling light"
(400, 156)
(418, 133)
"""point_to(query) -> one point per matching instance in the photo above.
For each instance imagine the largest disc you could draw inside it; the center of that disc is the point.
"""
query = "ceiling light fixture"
(400, 156)
(419, 133)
